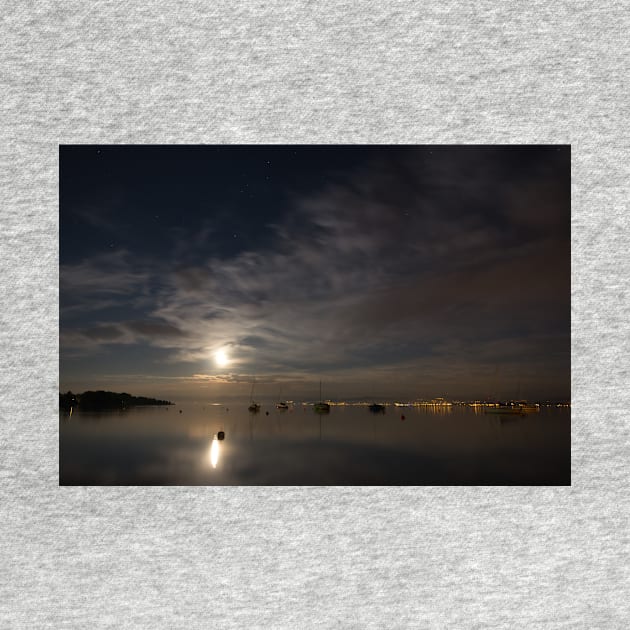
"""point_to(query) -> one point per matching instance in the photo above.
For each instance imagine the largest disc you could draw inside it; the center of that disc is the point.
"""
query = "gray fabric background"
(298, 72)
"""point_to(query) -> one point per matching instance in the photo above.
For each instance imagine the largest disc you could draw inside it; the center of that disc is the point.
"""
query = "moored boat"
(254, 407)
(527, 407)
(520, 408)
(321, 406)
(377, 408)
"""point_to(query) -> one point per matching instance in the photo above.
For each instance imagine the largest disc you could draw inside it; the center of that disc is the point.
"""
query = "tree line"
(99, 400)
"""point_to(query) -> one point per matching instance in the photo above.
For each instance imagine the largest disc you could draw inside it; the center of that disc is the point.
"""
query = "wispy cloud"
(112, 275)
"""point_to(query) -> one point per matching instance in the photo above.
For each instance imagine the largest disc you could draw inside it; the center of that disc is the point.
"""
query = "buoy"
(180, 411)
(221, 435)
(266, 413)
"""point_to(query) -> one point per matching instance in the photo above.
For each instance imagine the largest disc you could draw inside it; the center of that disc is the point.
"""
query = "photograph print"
(319, 315)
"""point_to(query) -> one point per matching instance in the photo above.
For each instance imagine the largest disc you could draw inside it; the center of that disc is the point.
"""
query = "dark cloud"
(104, 333)
(152, 329)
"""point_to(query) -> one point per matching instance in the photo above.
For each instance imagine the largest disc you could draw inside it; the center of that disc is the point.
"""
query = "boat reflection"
(214, 451)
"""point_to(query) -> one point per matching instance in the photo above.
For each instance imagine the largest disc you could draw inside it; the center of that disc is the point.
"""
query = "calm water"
(348, 446)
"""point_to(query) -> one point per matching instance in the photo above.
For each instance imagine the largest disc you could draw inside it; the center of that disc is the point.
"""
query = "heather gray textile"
(303, 72)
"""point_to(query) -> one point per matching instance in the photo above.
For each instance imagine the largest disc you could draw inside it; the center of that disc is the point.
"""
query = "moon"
(221, 358)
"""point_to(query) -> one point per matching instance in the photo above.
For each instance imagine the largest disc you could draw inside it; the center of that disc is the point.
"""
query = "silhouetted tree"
(102, 400)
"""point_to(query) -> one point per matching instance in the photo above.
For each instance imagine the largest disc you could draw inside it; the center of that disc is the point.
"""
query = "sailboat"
(518, 407)
(523, 405)
(283, 404)
(321, 407)
(377, 408)
(254, 407)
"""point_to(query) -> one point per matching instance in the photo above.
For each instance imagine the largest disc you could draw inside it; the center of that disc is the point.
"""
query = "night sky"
(394, 272)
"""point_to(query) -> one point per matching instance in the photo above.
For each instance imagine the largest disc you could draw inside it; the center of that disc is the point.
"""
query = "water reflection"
(214, 451)
(145, 446)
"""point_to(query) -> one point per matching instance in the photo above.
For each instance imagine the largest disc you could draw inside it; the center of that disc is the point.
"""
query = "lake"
(456, 445)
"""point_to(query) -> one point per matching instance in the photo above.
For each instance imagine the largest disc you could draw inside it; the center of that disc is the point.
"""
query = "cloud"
(104, 333)
(154, 329)
(103, 277)
(258, 379)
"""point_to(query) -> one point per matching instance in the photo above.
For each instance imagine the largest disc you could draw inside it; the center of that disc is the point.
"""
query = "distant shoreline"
(101, 400)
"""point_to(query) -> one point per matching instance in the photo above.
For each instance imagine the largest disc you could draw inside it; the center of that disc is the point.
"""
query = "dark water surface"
(348, 446)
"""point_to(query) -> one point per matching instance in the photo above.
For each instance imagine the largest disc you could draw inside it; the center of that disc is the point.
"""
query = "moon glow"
(221, 358)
